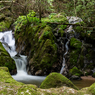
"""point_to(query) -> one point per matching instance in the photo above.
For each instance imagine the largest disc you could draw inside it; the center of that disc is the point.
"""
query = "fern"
(24, 20)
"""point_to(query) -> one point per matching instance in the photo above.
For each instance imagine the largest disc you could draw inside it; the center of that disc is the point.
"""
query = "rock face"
(44, 44)
(39, 44)
(9, 86)
(6, 60)
(55, 80)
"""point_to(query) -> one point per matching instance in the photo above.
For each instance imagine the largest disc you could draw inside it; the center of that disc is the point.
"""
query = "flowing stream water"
(8, 41)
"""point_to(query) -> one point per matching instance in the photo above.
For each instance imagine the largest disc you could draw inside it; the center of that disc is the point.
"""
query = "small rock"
(39, 72)
(74, 77)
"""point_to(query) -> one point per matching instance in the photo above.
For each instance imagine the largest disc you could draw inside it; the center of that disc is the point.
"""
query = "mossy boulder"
(54, 80)
(9, 86)
(75, 71)
(5, 59)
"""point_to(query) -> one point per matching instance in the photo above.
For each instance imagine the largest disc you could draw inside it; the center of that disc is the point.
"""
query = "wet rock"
(74, 77)
(39, 72)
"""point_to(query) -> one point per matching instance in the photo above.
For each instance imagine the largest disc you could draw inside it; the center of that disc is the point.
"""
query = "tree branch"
(4, 8)
(6, 1)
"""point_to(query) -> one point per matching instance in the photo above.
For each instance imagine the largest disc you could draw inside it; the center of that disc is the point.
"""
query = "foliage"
(84, 9)
(25, 20)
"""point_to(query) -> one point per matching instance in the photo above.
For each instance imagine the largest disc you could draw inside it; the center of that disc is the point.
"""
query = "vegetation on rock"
(56, 80)
(5, 59)
(75, 45)
(75, 71)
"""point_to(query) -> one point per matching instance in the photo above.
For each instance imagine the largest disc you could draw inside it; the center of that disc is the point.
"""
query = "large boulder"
(56, 80)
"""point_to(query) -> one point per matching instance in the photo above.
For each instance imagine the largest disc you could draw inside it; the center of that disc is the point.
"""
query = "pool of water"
(83, 83)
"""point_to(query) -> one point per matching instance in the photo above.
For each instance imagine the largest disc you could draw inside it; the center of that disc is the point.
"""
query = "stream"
(8, 41)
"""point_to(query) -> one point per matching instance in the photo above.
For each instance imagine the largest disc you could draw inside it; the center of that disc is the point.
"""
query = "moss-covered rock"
(75, 45)
(9, 86)
(5, 59)
(75, 71)
(5, 22)
(56, 18)
(60, 29)
(56, 80)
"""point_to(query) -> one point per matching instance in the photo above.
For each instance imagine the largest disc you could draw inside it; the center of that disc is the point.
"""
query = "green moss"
(61, 29)
(78, 29)
(46, 33)
(74, 57)
(92, 89)
(5, 22)
(81, 23)
(45, 55)
(55, 18)
(75, 43)
(61, 32)
(5, 59)
(56, 80)
(75, 71)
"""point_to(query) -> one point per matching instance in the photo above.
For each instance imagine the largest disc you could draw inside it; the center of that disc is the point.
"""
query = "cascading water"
(63, 64)
(8, 41)
(72, 20)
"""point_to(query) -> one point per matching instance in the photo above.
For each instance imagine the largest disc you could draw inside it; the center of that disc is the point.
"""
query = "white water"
(72, 20)
(8, 42)
(63, 63)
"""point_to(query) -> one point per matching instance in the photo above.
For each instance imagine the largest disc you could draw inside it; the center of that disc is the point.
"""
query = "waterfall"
(8, 41)
(63, 63)
(72, 20)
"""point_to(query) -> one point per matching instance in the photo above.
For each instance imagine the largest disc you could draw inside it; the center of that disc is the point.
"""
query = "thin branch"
(4, 8)
(6, 1)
